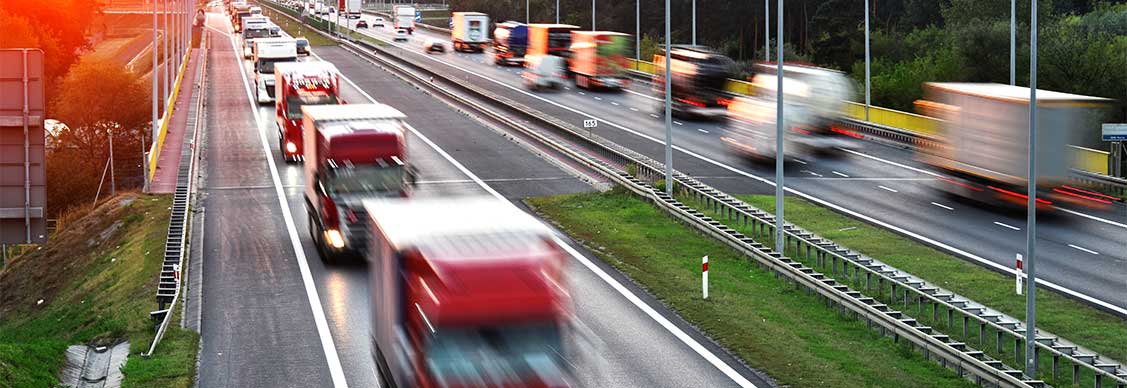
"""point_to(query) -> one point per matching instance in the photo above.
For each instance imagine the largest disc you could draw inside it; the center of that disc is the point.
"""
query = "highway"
(268, 301)
(1078, 249)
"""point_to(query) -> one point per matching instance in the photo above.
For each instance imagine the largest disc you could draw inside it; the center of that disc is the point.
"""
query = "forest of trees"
(1082, 43)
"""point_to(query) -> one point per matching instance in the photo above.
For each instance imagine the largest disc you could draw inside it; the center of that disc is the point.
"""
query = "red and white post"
(704, 276)
(1017, 274)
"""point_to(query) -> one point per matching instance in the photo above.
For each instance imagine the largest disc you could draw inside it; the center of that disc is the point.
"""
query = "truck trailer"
(599, 59)
(267, 52)
(984, 136)
(352, 153)
(510, 42)
(470, 31)
(404, 18)
(298, 84)
(699, 76)
(353, 9)
(466, 293)
(550, 39)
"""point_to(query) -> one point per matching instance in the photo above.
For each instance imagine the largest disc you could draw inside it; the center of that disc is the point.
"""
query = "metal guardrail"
(911, 288)
(175, 247)
(612, 160)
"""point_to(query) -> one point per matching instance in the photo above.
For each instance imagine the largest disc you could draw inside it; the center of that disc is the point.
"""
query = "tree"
(57, 27)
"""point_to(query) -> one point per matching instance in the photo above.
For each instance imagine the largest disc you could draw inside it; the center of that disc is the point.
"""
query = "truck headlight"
(291, 147)
(334, 238)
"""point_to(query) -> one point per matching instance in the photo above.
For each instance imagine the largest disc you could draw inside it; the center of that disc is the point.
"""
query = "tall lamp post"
(1031, 206)
(668, 109)
(767, 30)
(867, 78)
(780, 245)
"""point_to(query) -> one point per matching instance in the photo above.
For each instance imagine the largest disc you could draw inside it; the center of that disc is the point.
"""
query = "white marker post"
(704, 276)
(1017, 276)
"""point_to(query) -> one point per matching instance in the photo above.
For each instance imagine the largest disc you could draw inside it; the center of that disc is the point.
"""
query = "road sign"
(418, 16)
(1115, 132)
(590, 123)
(23, 181)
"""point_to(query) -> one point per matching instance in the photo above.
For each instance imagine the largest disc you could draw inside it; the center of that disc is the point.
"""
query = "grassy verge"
(1079, 323)
(274, 12)
(96, 280)
(789, 334)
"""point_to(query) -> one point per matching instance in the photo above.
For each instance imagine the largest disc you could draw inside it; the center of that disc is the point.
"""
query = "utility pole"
(867, 78)
(155, 77)
(780, 242)
(166, 39)
(668, 109)
(1031, 206)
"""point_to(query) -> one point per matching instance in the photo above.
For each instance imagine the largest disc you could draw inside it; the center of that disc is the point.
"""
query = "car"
(543, 71)
(378, 22)
(434, 45)
(302, 46)
(361, 24)
(400, 35)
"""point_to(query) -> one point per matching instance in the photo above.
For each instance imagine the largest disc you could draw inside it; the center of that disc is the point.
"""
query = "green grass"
(274, 12)
(97, 279)
(788, 333)
(1079, 323)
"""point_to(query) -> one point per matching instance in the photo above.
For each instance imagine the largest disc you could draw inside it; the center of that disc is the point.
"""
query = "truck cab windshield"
(496, 356)
(365, 179)
(294, 103)
(255, 33)
(266, 65)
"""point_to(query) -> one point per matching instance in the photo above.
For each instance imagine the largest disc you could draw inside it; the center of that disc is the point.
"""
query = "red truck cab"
(352, 153)
(297, 84)
(466, 292)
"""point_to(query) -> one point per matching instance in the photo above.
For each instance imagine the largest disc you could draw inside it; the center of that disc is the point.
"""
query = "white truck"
(470, 31)
(353, 9)
(253, 30)
(404, 18)
(267, 52)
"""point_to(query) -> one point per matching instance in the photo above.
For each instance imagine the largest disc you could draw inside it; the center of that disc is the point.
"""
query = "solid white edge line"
(1076, 294)
(336, 372)
(653, 314)
(942, 206)
(1083, 249)
(1006, 226)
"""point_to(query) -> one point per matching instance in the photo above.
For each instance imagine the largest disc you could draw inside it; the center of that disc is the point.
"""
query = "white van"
(544, 71)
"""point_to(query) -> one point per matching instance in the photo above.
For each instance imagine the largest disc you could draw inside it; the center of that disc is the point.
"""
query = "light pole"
(528, 11)
(780, 243)
(694, 22)
(557, 11)
(592, 15)
(867, 79)
(145, 161)
(1031, 205)
(165, 39)
(767, 30)
(668, 109)
(638, 30)
(1013, 39)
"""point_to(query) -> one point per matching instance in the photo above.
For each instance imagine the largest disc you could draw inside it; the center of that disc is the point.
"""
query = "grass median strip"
(1099, 331)
(93, 284)
(296, 29)
(788, 333)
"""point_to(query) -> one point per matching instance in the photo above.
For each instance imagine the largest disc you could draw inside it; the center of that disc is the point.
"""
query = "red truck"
(352, 153)
(297, 84)
(466, 293)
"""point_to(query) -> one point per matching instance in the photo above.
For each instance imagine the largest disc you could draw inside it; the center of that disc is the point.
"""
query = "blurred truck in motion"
(352, 153)
(510, 42)
(466, 293)
(550, 39)
(470, 31)
(267, 53)
(984, 142)
(298, 84)
(814, 98)
(698, 79)
(404, 18)
(599, 59)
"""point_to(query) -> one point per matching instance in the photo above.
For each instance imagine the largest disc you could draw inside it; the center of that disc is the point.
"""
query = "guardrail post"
(1056, 366)
(999, 332)
(1017, 350)
(951, 320)
(966, 321)
(1075, 374)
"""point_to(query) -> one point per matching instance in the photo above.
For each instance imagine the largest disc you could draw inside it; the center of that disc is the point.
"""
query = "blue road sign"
(418, 16)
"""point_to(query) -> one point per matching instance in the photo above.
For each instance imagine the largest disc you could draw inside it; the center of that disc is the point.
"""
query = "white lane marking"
(614, 103)
(840, 174)
(582, 94)
(597, 98)
(702, 130)
(634, 109)
(888, 189)
(942, 206)
(1077, 247)
(566, 88)
(642, 95)
(637, 302)
(799, 161)
(1006, 225)
(927, 240)
(922, 171)
(327, 345)
(812, 173)
(678, 123)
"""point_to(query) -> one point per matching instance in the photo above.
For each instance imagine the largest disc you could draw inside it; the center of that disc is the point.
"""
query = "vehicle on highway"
(699, 77)
(352, 9)
(404, 18)
(469, 33)
(599, 59)
(251, 33)
(434, 45)
(267, 52)
(550, 39)
(510, 42)
(985, 135)
(361, 24)
(240, 10)
(467, 293)
(544, 71)
(255, 11)
(377, 21)
(352, 153)
(302, 45)
(400, 35)
(298, 84)
(815, 98)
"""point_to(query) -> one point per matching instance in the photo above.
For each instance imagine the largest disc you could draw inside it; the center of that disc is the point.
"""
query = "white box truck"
(352, 8)
(470, 31)
(404, 18)
(267, 52)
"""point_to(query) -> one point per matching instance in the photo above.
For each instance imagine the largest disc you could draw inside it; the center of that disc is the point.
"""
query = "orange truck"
(599, 59)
